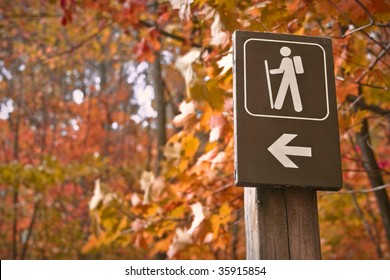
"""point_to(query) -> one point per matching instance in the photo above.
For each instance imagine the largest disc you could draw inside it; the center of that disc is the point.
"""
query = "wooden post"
(281, 224)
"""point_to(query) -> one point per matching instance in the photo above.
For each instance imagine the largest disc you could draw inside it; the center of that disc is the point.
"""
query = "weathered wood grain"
(281, 224)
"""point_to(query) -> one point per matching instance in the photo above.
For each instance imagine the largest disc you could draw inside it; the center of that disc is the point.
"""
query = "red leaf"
(63, 4)
(64, 21)
(144, 52)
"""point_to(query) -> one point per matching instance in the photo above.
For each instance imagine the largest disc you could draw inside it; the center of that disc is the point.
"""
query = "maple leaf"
(184, 65)
(97, 196)
(144, 52)
(197, 211)
(135, 200)
(226, 62)
(217, 124)
(162, 245)
(154, 39)
(181, 239)
(147, 179)
(190, 145)
(183, 6)
(172, 151)
(218, 37)
(187, 110)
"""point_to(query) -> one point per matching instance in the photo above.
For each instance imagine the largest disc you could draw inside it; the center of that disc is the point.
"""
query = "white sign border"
(286, 117)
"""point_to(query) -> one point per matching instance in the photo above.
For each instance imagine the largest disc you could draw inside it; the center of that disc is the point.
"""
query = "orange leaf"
(162, 245)
(201, 231)
(144, 52)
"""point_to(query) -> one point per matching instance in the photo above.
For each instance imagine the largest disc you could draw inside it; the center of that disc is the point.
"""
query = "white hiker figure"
(289, 68)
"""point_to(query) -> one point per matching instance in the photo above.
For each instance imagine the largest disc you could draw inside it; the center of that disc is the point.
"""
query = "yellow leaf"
(183, 165)
(178, 212)
(152, 210)
(123, 223)
(190, 145)
(225, 213)
(166, 226)
(214, 94)
(198, 90)
(215, 222)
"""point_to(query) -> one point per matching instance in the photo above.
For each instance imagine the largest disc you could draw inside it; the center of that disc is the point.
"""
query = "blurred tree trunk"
(372, 169)
(14, 123)
(158, 86)
(374, 174)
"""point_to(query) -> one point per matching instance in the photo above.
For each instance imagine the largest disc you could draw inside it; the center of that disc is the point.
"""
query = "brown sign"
(286, 129)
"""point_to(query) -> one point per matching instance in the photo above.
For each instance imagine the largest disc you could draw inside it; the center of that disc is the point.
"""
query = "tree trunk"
(15, 126)
(370, 164)
(374, 175)
(158, 86)
(156, 80)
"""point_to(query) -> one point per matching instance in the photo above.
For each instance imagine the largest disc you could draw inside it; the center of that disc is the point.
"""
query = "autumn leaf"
(218, 37)
(190, 145)
(187, 112)
(91, 244)
(144, 52)
(184, 65)
(217, 124)
(97, 196)
(161, 246)
(154, 39)
(203, 230)
(226, 62)
(197, 211)
(184, 7)
(225, 213)
(146, 182)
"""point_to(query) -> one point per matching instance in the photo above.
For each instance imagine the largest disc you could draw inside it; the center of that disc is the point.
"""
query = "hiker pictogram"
(289, 67)
(285, 79)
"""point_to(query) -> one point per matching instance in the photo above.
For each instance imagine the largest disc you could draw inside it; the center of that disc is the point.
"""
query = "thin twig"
(30, 227)
(372, 65)
(361, 29)
(362, 191)
(168, 34)
(365, 222)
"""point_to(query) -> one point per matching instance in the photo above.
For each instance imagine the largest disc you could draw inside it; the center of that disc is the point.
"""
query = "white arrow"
(280, 150)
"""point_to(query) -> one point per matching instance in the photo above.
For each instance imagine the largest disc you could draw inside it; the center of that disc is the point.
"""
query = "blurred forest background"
(116, 126)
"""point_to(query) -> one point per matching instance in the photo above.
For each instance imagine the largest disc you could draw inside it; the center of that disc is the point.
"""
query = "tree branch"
(361, 104)
(32, 16)
(372, 22)
(375, 62)
(79, 44)
(365, 222)
(30, 229)
(168, 34)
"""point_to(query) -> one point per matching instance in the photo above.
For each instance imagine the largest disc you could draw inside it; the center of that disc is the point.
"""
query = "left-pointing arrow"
(280, 150)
